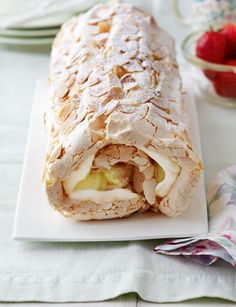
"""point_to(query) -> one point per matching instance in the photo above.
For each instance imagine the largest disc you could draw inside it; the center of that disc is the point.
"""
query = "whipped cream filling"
(78, 174)
(170, 168)
(100, 197)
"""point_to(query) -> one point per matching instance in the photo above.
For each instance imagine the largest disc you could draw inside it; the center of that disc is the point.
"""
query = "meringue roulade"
(117, 138)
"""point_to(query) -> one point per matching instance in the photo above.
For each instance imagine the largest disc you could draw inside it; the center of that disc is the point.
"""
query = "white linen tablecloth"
(60, 272)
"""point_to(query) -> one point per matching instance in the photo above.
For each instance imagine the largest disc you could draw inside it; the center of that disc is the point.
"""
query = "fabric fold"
(220, 242)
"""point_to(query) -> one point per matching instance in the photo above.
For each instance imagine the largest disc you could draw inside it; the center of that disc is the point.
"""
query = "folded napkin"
(220, 242)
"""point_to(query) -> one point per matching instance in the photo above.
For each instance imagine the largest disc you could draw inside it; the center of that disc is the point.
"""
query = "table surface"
(21, 67)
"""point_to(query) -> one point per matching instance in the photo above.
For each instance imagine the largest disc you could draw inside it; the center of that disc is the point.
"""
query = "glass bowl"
(202, 71)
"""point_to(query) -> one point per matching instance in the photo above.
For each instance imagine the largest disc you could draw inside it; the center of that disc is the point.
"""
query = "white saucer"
(26, 41)
(22, 33)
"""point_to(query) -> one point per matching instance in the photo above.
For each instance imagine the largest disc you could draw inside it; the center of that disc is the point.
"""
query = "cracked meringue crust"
(117, 136)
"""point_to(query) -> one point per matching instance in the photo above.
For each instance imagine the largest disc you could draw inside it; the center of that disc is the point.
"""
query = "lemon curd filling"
(159, 173)
(100, 181)
(107, 179)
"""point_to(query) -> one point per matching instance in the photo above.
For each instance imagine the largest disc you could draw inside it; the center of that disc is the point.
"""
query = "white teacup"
(206, 13)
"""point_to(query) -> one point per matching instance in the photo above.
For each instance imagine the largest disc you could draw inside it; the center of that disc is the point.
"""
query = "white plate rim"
(26, 41)
(15, 33)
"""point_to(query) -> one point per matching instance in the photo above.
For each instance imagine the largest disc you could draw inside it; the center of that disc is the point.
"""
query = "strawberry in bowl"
(214, 52)
(229, 32)
(225, 82)
(211, 47)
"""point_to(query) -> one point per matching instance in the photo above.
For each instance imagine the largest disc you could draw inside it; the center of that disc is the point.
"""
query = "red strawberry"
(229, 32)
(211, 48)
(210, 74)
(231, 62)
(225, 84)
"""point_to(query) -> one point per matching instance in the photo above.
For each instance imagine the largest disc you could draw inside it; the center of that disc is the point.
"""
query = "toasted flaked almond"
(62, 91)
(104, 26)
(55, 153)
(65, 111)
(149, 171)
(149, 191)
(115, 93)
(119, 71)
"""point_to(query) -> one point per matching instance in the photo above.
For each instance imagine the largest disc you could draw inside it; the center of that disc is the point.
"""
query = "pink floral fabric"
(220, 242)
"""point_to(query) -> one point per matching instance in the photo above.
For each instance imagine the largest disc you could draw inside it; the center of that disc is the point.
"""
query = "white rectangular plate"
(36, 220)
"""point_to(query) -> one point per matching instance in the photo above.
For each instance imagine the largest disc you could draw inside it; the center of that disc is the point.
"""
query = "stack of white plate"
(36, 22)
(39, 31)
(28, 36)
